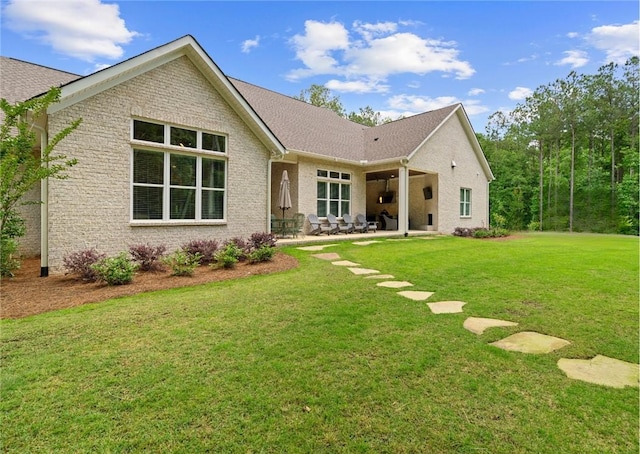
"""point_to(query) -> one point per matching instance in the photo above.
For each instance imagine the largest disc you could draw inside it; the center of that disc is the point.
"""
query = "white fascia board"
(351, 162)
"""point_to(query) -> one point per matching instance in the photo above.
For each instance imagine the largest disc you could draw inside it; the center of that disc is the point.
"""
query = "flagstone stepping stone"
(363, 271)
(415, 295)
(602, 370)
(345, 263)
(327, 256)
(446, 307)
(477, 325)
(381, 276)
(394, 284)
(315, 248)
(530, 342)
(365, 243)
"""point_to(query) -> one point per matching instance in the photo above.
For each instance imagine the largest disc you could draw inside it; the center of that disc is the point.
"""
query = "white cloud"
(376, 52)
(407, 105)
(574, 58)
(356, 86)
(85, 29)
(619, 42)
(249, 44)
(520, 93)
(573, 35)
(476, 91)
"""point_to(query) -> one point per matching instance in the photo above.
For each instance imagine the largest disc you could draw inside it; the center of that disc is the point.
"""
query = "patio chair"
(361, 220)
(389, 223)
(317, 227)
(336, 227)
(348, 220)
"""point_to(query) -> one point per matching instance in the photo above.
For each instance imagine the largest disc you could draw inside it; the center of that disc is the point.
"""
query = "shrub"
(243, 247)
(228, 256)
(182, 263)
(260, 239)
(205, 249)
(262, 254)
(148, 257)
(117, 270)
(8, 260)
(490, 233)
(81, 263)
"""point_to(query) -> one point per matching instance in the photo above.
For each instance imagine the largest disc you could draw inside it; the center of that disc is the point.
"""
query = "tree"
(21, 167)
(368, 117)
(320, 96)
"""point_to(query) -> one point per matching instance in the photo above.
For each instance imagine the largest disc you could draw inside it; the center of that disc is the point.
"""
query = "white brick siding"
(92, 207)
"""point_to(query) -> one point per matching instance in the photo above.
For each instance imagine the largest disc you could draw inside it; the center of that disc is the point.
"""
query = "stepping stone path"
(478, 325)
(394, 284)
(446, 307)
(599, 370)
(530, 342)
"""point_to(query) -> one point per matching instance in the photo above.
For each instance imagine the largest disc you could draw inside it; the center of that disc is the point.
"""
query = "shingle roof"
(303, 127)
(299, 126)
(20, 80)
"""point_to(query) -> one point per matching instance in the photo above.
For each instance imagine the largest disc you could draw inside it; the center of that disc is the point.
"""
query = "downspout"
(270, 163)
(403, 202)
(44, 209)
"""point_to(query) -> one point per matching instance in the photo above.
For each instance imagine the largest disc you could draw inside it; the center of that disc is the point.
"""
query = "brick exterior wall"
(449, 143)
(92, 208)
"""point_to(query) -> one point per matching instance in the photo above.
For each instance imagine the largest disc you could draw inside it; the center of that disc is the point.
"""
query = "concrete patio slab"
(531, 342)
(327, 256)
(345, 263)
(415, 295)
(363, 271)
(318, 247)
(394, 284)
(381, 276)
(478, 325)
(602, 370)
(365, 243)
(446, 307)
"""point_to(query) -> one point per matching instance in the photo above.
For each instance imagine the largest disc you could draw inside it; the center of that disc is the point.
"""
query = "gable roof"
(280, 121)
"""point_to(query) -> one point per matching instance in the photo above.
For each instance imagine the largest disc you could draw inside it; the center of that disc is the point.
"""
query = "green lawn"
(317, 359)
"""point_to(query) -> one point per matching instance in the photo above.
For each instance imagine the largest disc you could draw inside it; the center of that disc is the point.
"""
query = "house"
(171, 149)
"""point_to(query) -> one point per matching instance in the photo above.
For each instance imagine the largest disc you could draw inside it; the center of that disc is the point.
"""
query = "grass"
(317, 359)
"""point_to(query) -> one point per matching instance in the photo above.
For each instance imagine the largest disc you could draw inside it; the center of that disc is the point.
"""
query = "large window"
(465, 202)
(333, 193)
(177, 186)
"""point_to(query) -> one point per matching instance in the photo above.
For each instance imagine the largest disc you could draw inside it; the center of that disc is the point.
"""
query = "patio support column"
(403, 198)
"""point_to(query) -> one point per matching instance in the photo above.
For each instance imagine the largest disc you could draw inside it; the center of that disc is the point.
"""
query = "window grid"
(465, 202)
(333, 193)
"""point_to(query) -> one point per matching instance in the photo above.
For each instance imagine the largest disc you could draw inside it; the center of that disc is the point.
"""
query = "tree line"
(565, 159)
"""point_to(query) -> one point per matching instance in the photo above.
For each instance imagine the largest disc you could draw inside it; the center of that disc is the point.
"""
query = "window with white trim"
(465, 202)
(333, 193)
(177, 185)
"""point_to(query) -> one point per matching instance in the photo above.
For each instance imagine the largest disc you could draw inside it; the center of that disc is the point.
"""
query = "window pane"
(151, 132)
(183, 170)
(334, 191)
(148, 167)
(212, 204)
(346, 192)
(183, 203)
(345, 208)
(334, 174)
(147, 202)
(213, 142)
(212, 173)
(322, 190)
(333, 207)
(322, 208)
(346, 176)
(322, 173)
(184, 137)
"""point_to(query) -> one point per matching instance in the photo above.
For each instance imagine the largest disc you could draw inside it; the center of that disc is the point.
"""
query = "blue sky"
(400, 58)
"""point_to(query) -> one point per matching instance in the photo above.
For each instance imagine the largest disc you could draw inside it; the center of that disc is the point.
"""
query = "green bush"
(117, 270)
(262, 254)
(228, 256)
(182, 263)
(490, 233)
(8, 260)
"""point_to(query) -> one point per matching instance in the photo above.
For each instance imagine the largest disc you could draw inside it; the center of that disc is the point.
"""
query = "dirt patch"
(29, 294)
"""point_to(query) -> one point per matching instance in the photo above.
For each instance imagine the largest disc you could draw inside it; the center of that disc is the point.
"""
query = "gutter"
(44, 209)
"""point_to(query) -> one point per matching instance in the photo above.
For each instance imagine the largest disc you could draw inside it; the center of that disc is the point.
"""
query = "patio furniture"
(364, 225)
(389, 223)
(318, 227)
(336, 227)
(348, 220)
